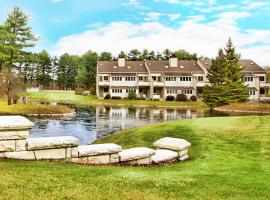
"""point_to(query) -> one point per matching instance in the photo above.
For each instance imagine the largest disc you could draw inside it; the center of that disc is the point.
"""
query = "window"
(248, 79)
(171, 91)
(262, 91)
(185, 78)
(140, 78)
(106, 78)
(130, 78)
(187, 91)
(130, 90)
(117, 90)
(251, 92)
(106, 89)
(170, 78)
(200, 78)
(116, 78)
(154, 78)
(261, 78)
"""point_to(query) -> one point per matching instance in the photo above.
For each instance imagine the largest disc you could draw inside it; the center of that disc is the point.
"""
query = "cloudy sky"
(200, 26)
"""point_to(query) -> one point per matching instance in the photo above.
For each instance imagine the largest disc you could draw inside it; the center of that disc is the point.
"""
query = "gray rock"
(20, 145)
(163, 156)
(98, 149)
(21, 155)
(51, 154)
(15, 123)
(51, 142)
(175, 144)
(135, 154)
(7, 146)
(185, 157)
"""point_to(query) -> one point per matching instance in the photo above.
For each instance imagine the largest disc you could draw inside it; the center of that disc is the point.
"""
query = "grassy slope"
(22, 109)
(230, 159)
(70, 97)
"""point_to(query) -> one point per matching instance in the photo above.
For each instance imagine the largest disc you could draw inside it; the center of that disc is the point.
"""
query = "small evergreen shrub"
(170, 98)
(116, 97)
(193, 98)
(107, 96)
(79, 91)
(132, 95)
(181, 97)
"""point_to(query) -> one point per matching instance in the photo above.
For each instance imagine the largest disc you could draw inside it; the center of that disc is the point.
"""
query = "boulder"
(142, 161)
(21, 155)
(182, 153)
(98, 149)
(15, 123)
(51, 142)
(135, 154)
(99, 160)
(164, 155)
(185, 157)
(7, 146)
(20, 145)
(14, 135)
(174, 144)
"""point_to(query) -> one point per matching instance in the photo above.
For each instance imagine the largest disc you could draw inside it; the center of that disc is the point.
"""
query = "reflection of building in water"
(109, 120)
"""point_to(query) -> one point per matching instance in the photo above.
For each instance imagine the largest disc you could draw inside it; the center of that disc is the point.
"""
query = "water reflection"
(91, 123)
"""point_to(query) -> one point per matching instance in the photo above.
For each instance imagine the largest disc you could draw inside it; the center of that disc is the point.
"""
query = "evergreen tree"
(144, 55)
(134, 55)
(105, 56)
(167, 53)
(44, 68)
(185, 55)
(152, 55)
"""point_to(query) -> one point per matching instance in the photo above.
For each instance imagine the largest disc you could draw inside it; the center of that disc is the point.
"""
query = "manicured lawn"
(230, 159)
(70, 97)
(26, 109)
(262, 107)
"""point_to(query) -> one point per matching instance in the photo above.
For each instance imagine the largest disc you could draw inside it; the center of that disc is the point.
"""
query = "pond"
(91, 123)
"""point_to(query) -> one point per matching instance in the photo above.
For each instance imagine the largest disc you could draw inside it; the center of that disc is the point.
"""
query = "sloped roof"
(112, 67)
(248, 64)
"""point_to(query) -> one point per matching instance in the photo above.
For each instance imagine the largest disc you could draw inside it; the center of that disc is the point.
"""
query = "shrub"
(92, 91)
(181, 97)
(170, 98)
(107, 96)
(193, 98)
(132, 95)
(79, 91)
(116, 97)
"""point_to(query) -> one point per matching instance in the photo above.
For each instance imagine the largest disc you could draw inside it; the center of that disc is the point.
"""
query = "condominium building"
(157, 79)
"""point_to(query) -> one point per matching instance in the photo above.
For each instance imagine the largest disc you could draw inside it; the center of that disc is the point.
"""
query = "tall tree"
(185, 55)
(167, 53)
(152, 55)
(18, 38)
(44, 69)
(144, 55)
(134, 55)
(87, 70)
(105, 56)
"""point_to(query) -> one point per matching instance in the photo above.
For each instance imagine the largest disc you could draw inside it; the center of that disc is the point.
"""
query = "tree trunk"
(9, 100)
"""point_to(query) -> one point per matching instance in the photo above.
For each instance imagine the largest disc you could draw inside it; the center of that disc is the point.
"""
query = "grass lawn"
(230, 159)
(261, 107)
(70, 97)
(27, 109)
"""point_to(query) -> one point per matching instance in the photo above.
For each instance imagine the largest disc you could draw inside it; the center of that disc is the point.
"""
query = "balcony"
(143, 83)
(123, 83)
(104, 83)
(158, 84)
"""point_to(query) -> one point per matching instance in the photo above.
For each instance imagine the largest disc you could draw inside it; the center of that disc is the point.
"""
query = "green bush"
(170, 98)
(79, 91)
(132, 95)
(107, 96)
(181, 97)
(116, 97)
(193, 98)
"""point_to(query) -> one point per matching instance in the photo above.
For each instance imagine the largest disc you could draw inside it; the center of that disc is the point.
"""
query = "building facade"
(157, 79)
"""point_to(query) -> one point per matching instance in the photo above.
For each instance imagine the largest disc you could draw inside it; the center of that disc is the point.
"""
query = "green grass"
(70, 97)
(230, 159)
(261, 107)
(28, 109)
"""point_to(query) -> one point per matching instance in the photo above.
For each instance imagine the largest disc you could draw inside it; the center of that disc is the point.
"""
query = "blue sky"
(200, 26)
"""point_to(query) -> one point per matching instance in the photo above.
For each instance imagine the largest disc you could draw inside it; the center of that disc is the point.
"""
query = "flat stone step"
(14, 135)
(98, 149)
(51, 142)
(164, 155)
(15, 123)
(174, 144)
(135, 154)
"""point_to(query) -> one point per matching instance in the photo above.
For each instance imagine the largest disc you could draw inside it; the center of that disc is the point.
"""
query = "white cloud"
(192, 35)
(255, 5)
(174, 17)
(155, 16)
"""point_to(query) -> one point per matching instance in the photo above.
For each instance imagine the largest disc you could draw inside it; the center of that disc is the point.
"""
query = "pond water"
(91, 123)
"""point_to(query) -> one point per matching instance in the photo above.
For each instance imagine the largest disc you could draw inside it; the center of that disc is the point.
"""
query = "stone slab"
(75, 152)
(98, 149)
(135, 153)
(2, 155)
(14, 135)
(143, 161)
(114, 158)
(99, 160)
(21, 155)
(164, 155)
(15, 123)
(50, 154)
(182, 153)
(51, 142)
(175, 144)
(185, 157)
(7, 146)
(20, 145)
(79, 160)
